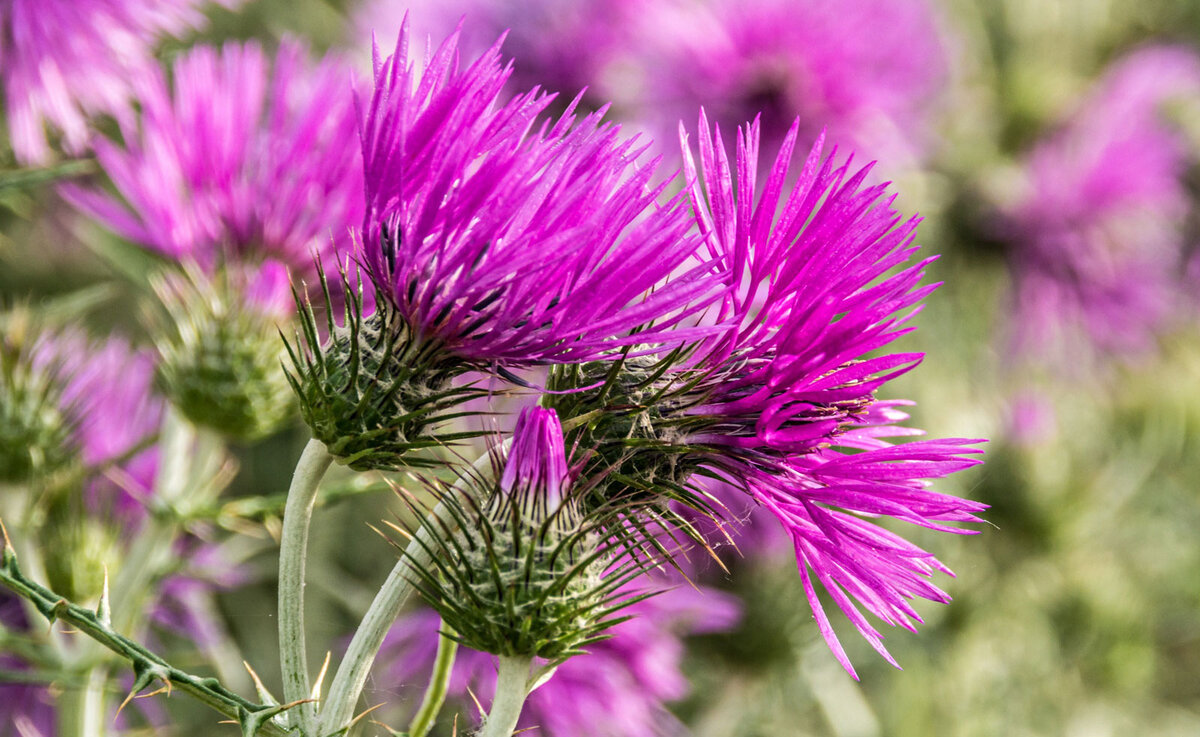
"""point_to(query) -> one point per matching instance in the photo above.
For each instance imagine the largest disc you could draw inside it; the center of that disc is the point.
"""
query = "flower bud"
(524, 574)
(368, 391)
(34, 430)
(221, 358)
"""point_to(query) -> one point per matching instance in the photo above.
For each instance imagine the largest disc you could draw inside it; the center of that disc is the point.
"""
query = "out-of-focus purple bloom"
(868, 70)
(618, 689)
(507, 240)
(240, 158)
(64, 61)
(823, 282)
(26, 709)
(107, 391)
(1098, 236)
(185, 603)
(560, 45)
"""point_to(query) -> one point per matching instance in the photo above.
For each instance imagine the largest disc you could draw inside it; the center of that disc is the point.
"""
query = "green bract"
(370, 391)
(34, 431)
(221, 358)
(512, 584)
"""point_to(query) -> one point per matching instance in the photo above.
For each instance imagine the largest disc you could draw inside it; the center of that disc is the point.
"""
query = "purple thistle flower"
(868, 70)
(507, 240)
(1099, 234)
(561, 45)
(782, 405)
(240, 159)
(107, 392)
(617, 689)
(65, 61)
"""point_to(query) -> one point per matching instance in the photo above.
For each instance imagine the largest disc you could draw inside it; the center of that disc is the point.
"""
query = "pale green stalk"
(439, 681)
(351, 676)
(189, 459)
(512, 686)
(84, 708)
(293, 550)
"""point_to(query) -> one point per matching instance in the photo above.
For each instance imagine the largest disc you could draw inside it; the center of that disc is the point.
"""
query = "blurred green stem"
(512, 686)
(293, 549)
(151, 550)
(439, 680)
(84, 707)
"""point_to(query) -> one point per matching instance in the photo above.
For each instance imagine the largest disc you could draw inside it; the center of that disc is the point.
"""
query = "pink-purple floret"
(821, 281)
(1099, 234)
(64, 62)
(511, 240)
(240, 158)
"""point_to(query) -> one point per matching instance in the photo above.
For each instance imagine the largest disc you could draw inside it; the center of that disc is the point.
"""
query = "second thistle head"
(520, 570)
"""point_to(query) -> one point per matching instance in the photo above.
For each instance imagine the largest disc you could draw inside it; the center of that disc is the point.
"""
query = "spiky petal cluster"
(520, 571)
(617, 689)
(239, 158)
(823, 282)
(65, 61)
(869, 70)
(512, 241)
(1099, 235)
(535, 475)
(782, 405)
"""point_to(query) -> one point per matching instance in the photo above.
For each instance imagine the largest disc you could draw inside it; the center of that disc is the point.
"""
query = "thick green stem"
(293, 549)
(352, 673)
(512, 686)
(439, 681)
(351, 676)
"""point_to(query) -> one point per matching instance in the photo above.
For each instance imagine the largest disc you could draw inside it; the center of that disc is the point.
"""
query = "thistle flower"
(618, 688)
(504, 240)
(561, 46)
(240, 159)
(782, 405)
(65, 61)
(868, 70)
(519, 571)
(243, 168)
(1099, 234)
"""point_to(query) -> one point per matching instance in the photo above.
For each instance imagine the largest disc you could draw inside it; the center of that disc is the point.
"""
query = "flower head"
(524, 573)
(239, 158)
(868, 70)
(617, 689)
(782, 405)
(1099, 234)
(506, 240)
(65, 61)
(561, 45)
(535, 475)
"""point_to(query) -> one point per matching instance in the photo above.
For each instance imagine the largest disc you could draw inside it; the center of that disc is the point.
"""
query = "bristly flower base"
(372, 392)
